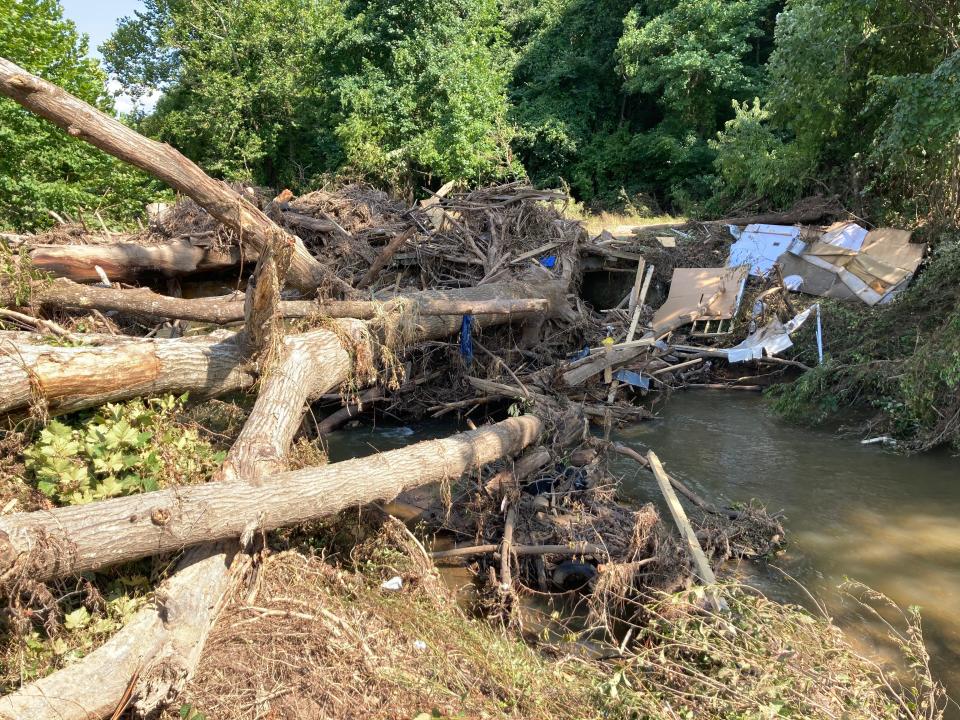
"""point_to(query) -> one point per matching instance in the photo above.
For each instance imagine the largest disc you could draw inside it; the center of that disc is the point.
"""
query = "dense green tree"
(41, 167)
(280, 91)
(567, 96)
(619, 98)
(862, 96)
(424, 95)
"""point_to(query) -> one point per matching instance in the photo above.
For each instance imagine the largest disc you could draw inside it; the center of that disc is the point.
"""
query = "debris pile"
(344, 300)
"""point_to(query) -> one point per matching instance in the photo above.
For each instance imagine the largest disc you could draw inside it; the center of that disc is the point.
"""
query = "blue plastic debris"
(632, 378)
(549, 261)
(466, 339)
(580, 355)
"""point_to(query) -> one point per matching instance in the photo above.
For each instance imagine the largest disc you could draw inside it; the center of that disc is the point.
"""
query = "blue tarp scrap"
(581, 354)
(549, 261)
(466, 339)
(631, 378)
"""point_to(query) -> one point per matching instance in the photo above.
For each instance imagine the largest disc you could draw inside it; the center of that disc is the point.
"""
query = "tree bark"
(92, 688)
(165, 163)
(64, 293)
(128, 262)
(383, 259)
(74, 378)
(70, 540)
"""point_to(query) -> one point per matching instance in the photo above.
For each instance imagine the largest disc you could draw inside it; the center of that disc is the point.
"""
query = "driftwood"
(74, 539)
(78, 693)
(384, 258)
(571, 550)
(508, 481)
(73, 378)
(65, 379)
(681, 487)
(127, 262)
(82, 121)
(65, 294)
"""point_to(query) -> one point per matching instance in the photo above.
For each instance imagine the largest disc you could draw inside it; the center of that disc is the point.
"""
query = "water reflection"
(852, 511)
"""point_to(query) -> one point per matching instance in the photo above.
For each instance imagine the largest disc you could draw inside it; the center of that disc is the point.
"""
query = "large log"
(65, 294)
(79, 693)
(128, 262)
(73, 378)
(82, 121)
(70, 540)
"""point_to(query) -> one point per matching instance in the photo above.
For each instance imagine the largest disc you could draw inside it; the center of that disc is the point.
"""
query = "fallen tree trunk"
(66, 294)
(75, 539)
(72, 695)
(73, 378)
(82, 121)
(128, 262)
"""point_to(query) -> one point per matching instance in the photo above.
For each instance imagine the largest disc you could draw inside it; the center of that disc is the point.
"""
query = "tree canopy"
(690, 105)
(42, 168)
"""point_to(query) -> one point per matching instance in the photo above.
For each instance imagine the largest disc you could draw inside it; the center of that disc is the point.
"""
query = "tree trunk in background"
(66, 294)
(82, 121)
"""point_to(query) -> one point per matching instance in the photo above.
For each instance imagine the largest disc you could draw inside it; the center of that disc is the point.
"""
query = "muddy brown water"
(851, 511)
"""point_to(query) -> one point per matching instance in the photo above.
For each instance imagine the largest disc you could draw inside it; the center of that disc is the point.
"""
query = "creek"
(851, 511)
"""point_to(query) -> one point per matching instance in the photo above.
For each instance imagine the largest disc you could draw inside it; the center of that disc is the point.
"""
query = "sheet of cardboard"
(691, 287)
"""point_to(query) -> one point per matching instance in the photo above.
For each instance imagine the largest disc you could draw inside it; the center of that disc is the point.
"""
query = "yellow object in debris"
(608, 341)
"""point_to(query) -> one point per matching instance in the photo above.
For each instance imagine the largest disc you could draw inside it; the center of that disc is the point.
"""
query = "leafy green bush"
(120, 450)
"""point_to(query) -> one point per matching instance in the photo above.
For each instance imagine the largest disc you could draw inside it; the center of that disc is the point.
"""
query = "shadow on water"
(852, 511)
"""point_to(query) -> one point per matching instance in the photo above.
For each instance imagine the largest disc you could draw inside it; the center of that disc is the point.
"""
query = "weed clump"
(121, 449)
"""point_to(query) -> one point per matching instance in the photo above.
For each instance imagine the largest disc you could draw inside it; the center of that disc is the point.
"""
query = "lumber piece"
(613, 356)
(75, 539)
(506, 549)
(700, 562)
(85, 122)
(680, 486)
(633, 310)
(128, 262)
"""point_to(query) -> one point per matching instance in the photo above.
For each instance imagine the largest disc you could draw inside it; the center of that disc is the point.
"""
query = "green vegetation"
(405, 93)
(83, 621)
(902, 360)
(121, 449)
(636, 105)
(43, 169)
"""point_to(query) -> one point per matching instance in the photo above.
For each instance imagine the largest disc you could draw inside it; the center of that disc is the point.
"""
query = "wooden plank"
(702, 565)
